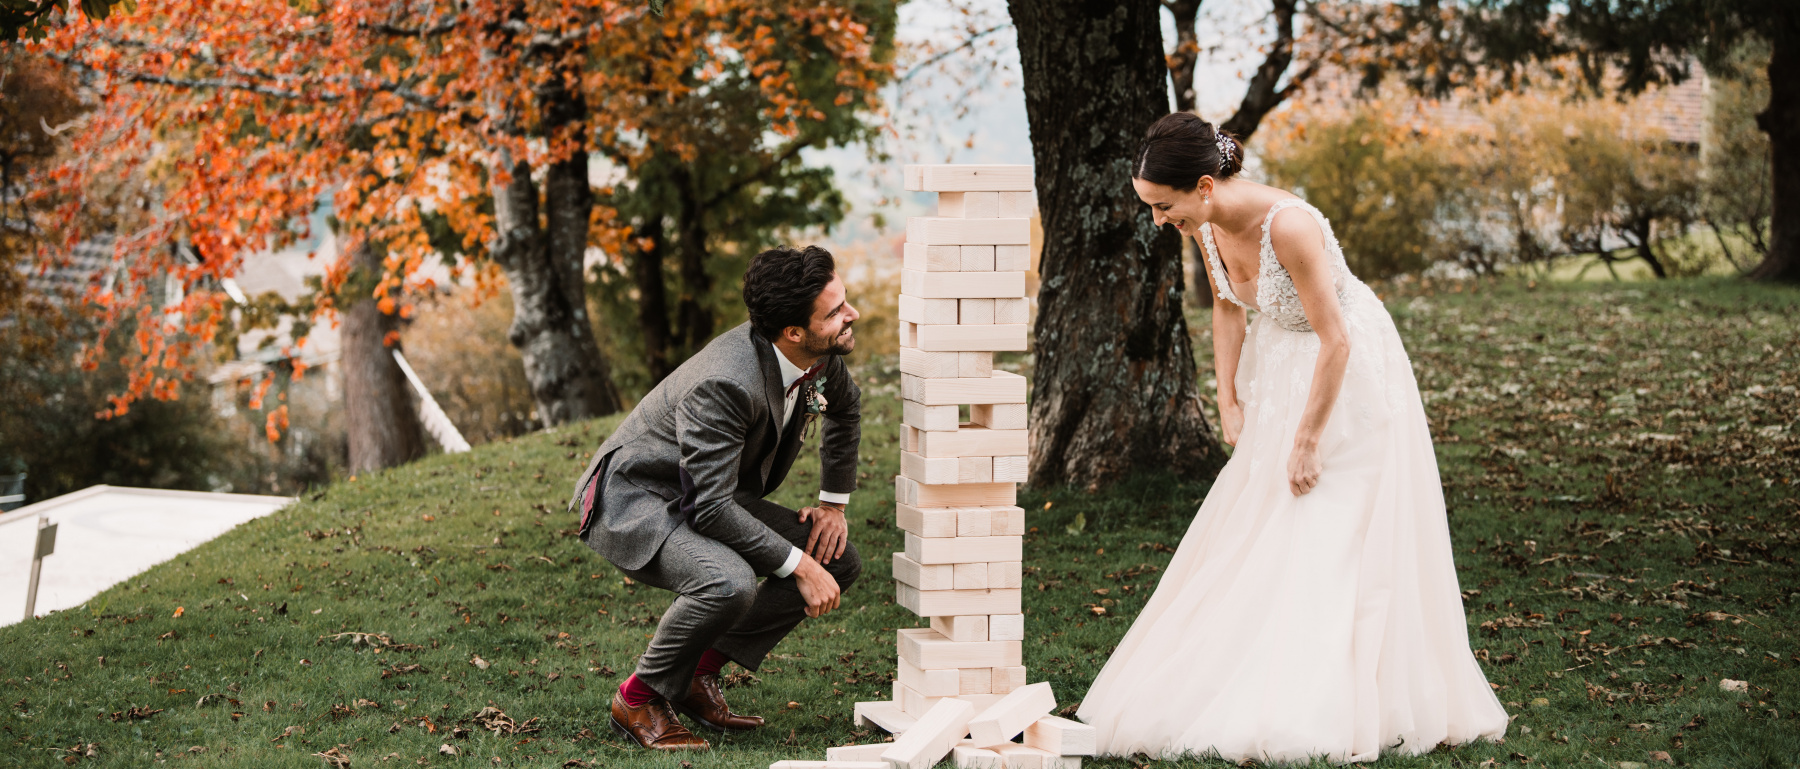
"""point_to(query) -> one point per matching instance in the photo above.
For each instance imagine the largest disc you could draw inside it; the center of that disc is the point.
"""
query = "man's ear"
(793, 334)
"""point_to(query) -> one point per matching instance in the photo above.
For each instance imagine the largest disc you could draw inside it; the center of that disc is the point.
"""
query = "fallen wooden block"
(924, 258)
(1009, 679)
(967, 178)
(940, 603)
(968, 627)
(1027, 757)
(1011, 469)
(1009, 521)
(935, 311)
(941, 576)
(943, 231)
(884, 715)
(975, 312)
(1012, 311)
(1008, 718)
(946, 365)
(962, 285)
(971, 757)
(927, 521)
(977, 258)
(869, 752)
(931, 683)
(910, 492)
(932, 736)
(831, 765)
(964, 549)
(994, 416)
(974, 441)
(989, 337)
(922, 417)
(930, 650)
(1061, 736)
(1012, 258)
(985, 205)
(998, 387)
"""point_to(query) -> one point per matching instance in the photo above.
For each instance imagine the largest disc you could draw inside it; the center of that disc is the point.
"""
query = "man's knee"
(730, 590)
(847, 567)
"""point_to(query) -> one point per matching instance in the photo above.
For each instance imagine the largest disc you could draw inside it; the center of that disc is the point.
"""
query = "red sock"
(711, 663)
(636, 693)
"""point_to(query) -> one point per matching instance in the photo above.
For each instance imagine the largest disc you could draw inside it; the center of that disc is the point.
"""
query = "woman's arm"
(1228, 322)
(1300, 246)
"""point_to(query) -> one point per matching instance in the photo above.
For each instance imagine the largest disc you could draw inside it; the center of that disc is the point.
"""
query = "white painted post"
(46, 544)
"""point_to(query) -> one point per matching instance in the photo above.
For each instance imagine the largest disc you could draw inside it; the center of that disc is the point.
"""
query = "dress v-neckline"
(1254, 282)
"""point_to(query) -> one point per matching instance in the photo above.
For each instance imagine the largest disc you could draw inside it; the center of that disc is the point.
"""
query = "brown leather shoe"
(654, 726)
(705, 704)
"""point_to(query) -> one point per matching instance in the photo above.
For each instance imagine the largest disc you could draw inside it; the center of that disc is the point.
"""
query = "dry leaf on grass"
(497, 721)
(334, 758)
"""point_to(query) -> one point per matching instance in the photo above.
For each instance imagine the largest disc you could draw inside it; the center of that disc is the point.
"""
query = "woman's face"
(1170, 206)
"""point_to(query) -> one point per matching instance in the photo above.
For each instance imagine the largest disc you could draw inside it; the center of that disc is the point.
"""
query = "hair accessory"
(1224, 143)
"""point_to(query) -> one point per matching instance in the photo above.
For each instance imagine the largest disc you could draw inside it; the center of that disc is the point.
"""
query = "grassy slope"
(1590, 598)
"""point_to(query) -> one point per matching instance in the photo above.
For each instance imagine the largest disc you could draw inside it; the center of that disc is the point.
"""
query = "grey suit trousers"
(719, 604)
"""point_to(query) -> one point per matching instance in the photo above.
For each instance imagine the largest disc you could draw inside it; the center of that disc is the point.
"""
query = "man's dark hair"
(781, 286)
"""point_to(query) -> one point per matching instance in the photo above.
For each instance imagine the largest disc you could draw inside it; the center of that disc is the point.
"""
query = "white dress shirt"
(789, 374)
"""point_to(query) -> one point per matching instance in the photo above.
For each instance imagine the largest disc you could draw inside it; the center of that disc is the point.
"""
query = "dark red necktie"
(804, 378)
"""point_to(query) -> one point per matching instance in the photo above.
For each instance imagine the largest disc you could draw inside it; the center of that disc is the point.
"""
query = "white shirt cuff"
(793, 562)
(834, 497)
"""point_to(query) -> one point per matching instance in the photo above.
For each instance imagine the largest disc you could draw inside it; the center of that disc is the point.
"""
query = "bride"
(1312, 609)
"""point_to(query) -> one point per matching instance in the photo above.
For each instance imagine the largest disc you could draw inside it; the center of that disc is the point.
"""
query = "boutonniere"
(817, 403)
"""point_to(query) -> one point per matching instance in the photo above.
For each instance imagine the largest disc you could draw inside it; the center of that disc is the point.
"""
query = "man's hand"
(817, 587)
(830, 533)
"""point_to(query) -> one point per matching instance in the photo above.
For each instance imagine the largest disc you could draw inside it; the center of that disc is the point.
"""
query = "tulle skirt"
(1328, 625)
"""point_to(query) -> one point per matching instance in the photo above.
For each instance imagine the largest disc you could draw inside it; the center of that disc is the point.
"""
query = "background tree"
(1114, 390)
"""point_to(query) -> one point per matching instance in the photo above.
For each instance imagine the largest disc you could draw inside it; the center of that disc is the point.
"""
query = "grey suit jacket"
(706, 438)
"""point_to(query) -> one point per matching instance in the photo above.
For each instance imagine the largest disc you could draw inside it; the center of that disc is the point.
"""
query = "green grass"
(1620, 462)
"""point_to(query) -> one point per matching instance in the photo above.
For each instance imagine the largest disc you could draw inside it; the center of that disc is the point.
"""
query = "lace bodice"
(1275, 292)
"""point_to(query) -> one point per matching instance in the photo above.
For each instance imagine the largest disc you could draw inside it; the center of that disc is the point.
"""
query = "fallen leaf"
(477, 661)
(447, 749)
(289, 732)
(1729, 685)
(1661, 755)
(178, 612)
(334, 759)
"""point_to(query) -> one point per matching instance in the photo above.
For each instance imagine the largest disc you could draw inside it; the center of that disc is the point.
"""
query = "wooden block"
(884, 715)
(976, 680)
(969, 627)
(870, 752)
(931, 738)
(944, 231)
(909, 439)
(974, 470)
(912, 177)
(909, 334)
(828, 764)
(934, 311)
(1006, 575)
(1008, 718)
(964, 549)
(924, 258)
(927, 521)
(1010, 257)
(978, 365)
(937, 576)
(994, 416)
(1008, 679)
(977, 258)
(908, 491)
(916, 703)
(943, 603)
(1012, 311)
(930, 650)
(1008, 521)
(932, 470)
(985, 205)
(1006, 627)
(971, 178)
(970, 576)
(1027, 757)
(933, 365)
(1011, 469)
(922, 417)
(975, 312)
(974, 522)
(943, 682)
(962, 285)
(971, 757)
(1061, 736)
(1000, 387)
(974, 442)
(973, 338)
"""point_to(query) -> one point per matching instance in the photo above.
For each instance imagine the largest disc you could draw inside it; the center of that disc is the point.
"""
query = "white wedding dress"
(1327, 625)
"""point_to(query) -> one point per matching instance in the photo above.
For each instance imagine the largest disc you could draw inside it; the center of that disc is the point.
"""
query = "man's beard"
(842, 344)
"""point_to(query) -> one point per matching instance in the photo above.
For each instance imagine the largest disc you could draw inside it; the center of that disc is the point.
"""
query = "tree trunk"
(1114, 391)
(653, 298)
(1781, 121)
(379, 416)
(1187, 52)
(696, 318)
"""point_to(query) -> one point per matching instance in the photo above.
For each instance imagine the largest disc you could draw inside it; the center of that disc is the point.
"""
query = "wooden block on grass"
(1012, 258)
(974, 338)
(1061, 736)
(976, 312)
(970, 576)
(1008, 718)
(971, 757)
(927, 521)
(922, 417)
(969, 177)
(883, 714)
(910, 492)
(939, 576)
(932, 736)
(939, 603)
(962, 285)
(1012, 311)
(931, 683)
(1006, 627)
(930, 650)
(1008, 679)
(1027, 757)
(934, 311)
(985, 205)
(974, 441)
(829, 764)
(994, 416)
(870, 752)
(1008, 575)
(963, 549)
(924, 258)
(998, 387)
(974, 469)
(1011, 469)
(1009, 521)
(968, 627)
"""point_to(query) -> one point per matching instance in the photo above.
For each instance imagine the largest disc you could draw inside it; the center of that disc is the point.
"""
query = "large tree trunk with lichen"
(1781, 120)
(379, 417)
(1114, 390)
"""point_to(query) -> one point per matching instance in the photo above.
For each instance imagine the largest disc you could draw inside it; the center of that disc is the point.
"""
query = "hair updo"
(1180, 148)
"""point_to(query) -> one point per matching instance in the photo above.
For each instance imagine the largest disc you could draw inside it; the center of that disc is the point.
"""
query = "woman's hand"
(1303, 469)
(1231, 420)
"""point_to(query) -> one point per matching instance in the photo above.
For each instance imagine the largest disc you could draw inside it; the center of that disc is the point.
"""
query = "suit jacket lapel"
(772, 391)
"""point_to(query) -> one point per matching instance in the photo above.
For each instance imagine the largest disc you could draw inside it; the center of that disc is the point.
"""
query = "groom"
(674, 498)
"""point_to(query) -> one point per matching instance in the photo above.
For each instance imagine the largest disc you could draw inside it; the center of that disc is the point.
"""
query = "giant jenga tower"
(962, 299)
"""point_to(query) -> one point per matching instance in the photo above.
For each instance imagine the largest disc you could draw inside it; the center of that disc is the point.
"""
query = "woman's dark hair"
(1180, 148)
(781, 286)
